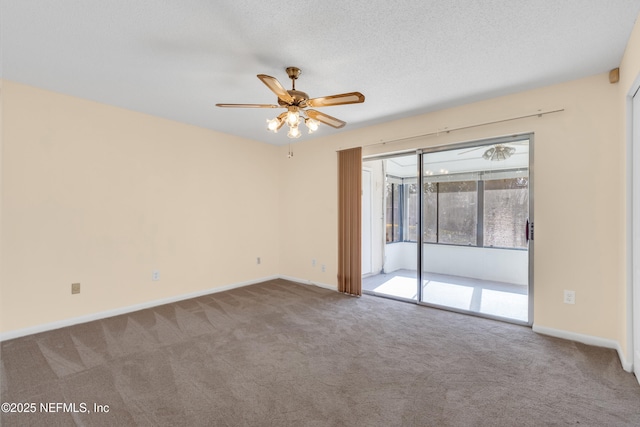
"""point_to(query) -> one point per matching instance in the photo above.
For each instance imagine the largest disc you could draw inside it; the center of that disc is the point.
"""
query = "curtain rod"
(447, 130)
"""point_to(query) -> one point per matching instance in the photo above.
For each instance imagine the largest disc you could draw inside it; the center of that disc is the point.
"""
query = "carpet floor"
(284, 354)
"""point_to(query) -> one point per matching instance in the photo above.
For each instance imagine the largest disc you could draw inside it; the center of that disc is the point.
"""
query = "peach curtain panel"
(350, 221)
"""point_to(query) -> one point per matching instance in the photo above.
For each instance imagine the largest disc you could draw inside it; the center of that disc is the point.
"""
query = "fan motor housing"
(299, 98)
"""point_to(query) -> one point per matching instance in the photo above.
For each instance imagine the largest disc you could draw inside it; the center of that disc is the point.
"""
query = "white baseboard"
(309, 282)
(4, 336)
(587, 339)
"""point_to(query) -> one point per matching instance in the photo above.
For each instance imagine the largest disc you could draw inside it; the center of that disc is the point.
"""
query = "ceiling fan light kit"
(296, 102)
(498, 152)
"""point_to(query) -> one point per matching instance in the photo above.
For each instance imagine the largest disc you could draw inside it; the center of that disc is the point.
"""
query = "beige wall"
(102, 196)
(630, 66)
(577, 201)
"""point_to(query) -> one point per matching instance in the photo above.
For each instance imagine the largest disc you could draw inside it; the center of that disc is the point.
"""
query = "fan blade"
(248, 105)
(325, 118)
(275, 86)
(343, 98)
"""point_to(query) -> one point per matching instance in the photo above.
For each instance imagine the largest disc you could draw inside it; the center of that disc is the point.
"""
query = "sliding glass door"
(475, 211)
(449, 228)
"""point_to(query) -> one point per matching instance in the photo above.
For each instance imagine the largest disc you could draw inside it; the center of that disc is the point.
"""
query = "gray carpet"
(284, 354)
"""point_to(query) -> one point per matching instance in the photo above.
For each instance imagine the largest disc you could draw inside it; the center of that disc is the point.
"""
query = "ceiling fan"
(297, 103)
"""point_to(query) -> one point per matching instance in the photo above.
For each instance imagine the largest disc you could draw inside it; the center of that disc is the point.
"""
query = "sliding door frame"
(420, 248)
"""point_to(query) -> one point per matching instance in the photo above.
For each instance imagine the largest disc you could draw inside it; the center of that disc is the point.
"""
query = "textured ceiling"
(176, 59)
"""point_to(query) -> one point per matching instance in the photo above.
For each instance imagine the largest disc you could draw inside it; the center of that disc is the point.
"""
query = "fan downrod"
(293, 73)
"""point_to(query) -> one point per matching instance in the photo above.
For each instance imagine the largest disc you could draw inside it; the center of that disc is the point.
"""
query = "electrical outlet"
(258, 260)
(569, 297)
(75, 288)
(155, 275)
(324, 268)
(313, 263)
